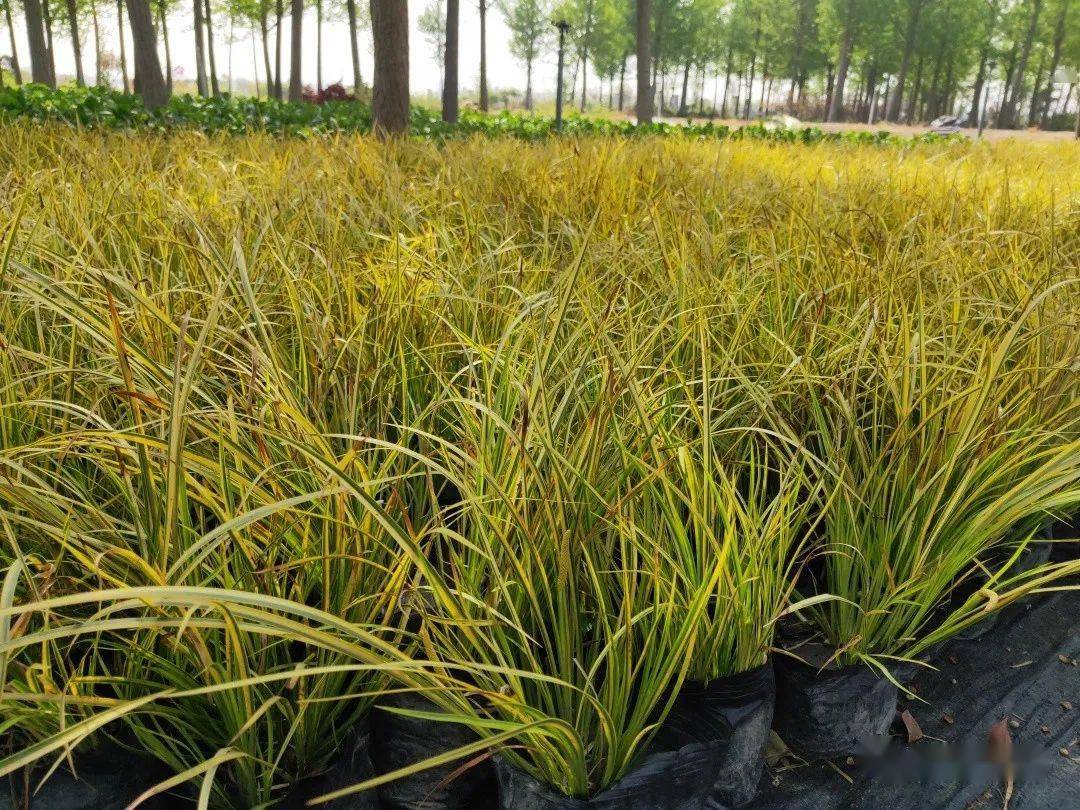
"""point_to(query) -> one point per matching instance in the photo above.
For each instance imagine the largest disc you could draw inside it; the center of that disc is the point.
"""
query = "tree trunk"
(200, 49)
(40, 71)
(1036, 91)
(390, 31)
(685, 86)
(750, 86)
(727, 83)
(123, 47)
(450, 64)
(98, 77)
(836, 107)
(913, 99)
(318, 46)
(255, 56)
(76, 45)
(483, 56)
(16, 71)
(279, 14)
(528, 85)
(830, 83)
(643, 36)
(214, 86)
(585, 49)
(977, 90)
(229, 58)
(296, 43)
(354, 45)
(622, 81)
(1009, 107)
(1055, 57)
(46, 11)
(893, 112)
(806, 11)
(1010, 66)
(168, 51)
(264, 30)
(930, 110)
(149, 82)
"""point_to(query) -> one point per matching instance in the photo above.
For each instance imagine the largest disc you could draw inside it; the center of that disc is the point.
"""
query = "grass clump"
(539, 430)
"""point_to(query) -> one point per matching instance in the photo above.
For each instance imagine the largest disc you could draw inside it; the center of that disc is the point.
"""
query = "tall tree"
(215, 87)
(848, 23)
(149, 82)
(318, 45)
(354, 43)
(1041, 108)
(483, 7)
(76, 45)
(200, 49)
(529, 23)
(296, 86)
(643, 36)
(16, 71)
(1012, 98)
(914, 11)
(450, 65)
(124, 75)
(987, 30)
(390, 92)
(163, 7)
(46, 16)
(279, 18)
(40, 63)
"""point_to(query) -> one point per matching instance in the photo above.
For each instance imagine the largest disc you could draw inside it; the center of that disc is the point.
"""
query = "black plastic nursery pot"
(399, 741)
(832, 712)
(350, 767)
(1036, 553)
(708, 753)
(105, 779)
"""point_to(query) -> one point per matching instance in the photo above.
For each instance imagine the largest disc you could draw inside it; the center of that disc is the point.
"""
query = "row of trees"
(902, 60)
(46, 19)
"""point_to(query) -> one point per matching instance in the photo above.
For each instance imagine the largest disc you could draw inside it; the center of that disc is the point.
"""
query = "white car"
(945, 125)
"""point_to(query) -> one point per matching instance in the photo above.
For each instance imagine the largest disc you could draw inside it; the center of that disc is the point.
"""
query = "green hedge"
(98, 106)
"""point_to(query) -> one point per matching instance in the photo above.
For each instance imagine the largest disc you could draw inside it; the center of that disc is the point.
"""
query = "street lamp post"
(563, 27)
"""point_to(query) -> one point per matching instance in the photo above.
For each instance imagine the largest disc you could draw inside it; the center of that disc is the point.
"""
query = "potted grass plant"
(614, 569)
(942, 449)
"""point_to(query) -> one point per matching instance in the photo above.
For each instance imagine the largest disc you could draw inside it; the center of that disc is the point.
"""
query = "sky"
(503, 70)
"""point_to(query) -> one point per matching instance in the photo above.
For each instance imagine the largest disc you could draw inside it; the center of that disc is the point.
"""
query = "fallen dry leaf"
(948, 718)
(775, 750)
(911, 725)
(1044, 729)
(999, 751)
(1066, 705)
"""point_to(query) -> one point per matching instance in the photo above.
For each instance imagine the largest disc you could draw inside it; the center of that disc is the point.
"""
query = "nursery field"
(508, 473)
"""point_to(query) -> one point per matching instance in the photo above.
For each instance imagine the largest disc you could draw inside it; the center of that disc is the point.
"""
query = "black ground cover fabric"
(1016, 671)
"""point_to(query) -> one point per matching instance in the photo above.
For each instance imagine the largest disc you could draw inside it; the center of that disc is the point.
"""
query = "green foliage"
(98, 106)
(539, 426)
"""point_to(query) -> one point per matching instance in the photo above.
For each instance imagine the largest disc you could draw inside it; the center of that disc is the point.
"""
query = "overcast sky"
(503, 70)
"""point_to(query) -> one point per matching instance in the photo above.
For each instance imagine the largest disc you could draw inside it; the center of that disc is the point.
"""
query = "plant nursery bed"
(1026, 671)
